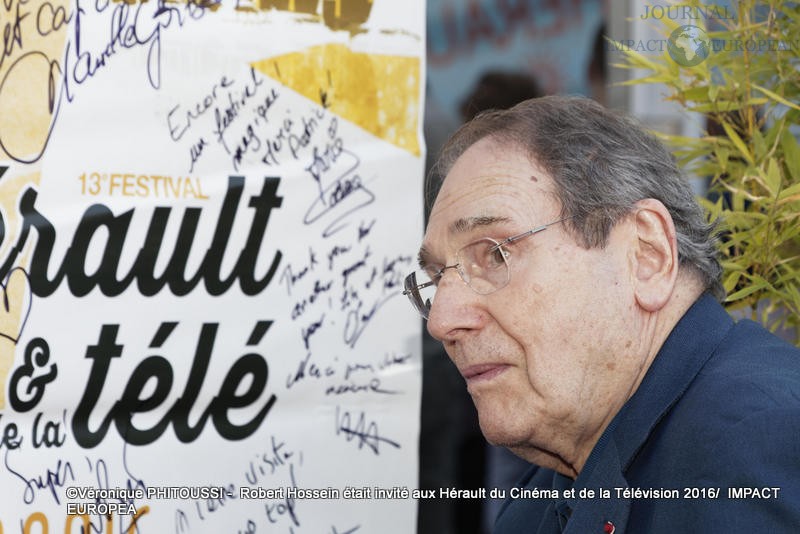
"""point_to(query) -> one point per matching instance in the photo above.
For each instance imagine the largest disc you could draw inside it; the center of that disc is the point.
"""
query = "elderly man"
(574, 283)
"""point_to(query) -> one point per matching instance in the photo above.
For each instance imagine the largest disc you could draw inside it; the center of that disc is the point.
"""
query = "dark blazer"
(718, 411)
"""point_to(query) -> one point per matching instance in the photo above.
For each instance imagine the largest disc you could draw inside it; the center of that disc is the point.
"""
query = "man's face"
(543, 357)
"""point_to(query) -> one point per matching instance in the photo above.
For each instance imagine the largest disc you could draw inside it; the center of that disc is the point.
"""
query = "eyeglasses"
(482, 265)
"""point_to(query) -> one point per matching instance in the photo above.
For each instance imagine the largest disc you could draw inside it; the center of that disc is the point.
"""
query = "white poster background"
(338, 342)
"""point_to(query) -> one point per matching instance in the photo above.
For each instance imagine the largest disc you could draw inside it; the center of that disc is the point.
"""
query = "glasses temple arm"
(530, 232)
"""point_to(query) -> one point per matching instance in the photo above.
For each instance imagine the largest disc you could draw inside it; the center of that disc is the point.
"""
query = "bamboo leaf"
(638, 60)
(734, 137)
(759, 145)
(696, 93)
(773, 177)
(725, 106)
(747, 291)
(791, 152)
(731, 280)
(657, 78)
(713, 91)
(722, 154)
(775, 96)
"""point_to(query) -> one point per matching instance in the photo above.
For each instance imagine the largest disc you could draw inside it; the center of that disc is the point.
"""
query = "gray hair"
(602, 163)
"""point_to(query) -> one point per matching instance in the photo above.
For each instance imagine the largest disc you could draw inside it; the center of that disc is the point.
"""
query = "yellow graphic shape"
(379, 93)
(17, 288)
(336, 14)
(30, 70)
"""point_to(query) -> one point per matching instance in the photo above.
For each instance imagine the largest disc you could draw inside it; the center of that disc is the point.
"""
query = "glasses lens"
(483, 266)
(420, 290)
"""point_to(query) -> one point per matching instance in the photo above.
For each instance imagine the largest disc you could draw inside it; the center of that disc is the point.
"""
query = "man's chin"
(496, 434)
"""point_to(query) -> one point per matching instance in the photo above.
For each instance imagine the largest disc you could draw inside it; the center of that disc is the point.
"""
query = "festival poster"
(206, 213)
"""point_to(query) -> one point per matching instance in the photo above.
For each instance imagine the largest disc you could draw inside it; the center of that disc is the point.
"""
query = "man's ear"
(656, 254)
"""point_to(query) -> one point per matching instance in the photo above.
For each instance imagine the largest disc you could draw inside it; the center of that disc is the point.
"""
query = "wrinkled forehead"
(493, 184)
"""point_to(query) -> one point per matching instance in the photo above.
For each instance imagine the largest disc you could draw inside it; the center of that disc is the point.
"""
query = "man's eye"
(496, 255)
(434, 273)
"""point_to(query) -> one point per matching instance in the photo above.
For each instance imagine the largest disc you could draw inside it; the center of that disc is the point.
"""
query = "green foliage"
(749, 89)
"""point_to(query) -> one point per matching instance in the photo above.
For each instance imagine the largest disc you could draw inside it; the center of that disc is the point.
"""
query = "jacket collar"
(687, 349)
(690, 344)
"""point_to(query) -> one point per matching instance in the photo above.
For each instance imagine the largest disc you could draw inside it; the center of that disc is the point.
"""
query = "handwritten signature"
(343, 194)
(130, 26)
(53, 479)
(365, 433)
(357, 319)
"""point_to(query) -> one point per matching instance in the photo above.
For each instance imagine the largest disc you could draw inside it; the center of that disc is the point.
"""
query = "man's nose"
(453, 309)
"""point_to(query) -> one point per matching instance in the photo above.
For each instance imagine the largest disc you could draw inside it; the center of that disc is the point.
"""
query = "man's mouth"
(484, 371)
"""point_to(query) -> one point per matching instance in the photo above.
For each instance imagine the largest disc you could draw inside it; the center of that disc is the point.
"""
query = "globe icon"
(688, 45)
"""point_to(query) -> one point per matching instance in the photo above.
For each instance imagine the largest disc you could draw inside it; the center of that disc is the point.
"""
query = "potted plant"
(742, 75)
